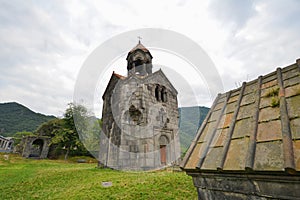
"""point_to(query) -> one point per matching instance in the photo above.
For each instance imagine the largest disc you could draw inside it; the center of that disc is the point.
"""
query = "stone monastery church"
(140, 117)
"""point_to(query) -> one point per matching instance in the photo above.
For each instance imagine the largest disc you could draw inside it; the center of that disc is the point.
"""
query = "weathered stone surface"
(140, 117)
(248, 99)
(239, 186)
(250, 87)
(225, 120)
(215, 115)
(292, 91)
(269, 114)
(209, 128)
(219, 106)
(234, 92)
(268, 131)
(230, 107)
(234, 160)
(296, 146)
(265, 102)
(269, 84)
(291, 81)
(270, 91)
(220, 137)
(295, 128)
(233, 98)
(269, 78)
(35, 146)
(256, 154)
(243, 128)
(269, 156)
(212, 160)
(6, 144)
(246, 111)
(290, 71)
(194, 159)
(293, 105)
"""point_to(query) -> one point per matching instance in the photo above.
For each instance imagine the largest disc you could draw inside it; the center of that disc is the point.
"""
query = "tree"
(91, 137)
(49, 128)
(72, 131)
(67, 134)
(19, 135)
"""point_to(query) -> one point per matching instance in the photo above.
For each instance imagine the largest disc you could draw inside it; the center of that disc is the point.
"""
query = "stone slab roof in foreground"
(253, 128)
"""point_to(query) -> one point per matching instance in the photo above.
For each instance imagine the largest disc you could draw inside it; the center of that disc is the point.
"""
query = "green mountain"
(15, 117)
(190, 119)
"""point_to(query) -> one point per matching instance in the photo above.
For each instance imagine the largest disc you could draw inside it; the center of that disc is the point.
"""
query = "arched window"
(163, 140)
(164, 95)
(157, 93)
(138, 62)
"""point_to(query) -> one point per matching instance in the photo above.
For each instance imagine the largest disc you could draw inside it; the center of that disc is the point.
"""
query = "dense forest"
(15, 117)
(189, 121)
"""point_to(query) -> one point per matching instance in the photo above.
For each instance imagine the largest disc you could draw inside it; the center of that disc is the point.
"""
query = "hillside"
(190, 119)
(15, 117)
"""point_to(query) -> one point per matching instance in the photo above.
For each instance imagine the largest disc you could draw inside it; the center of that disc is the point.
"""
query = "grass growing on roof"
(275, 102)
(273, 92)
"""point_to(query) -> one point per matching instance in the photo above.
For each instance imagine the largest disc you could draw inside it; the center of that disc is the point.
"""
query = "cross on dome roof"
(139, 46)
(139, 39)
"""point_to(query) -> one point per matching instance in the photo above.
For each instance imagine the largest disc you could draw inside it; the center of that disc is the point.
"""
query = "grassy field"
(55, 179)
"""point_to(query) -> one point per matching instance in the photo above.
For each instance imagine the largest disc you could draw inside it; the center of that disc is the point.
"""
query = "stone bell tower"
(140, 117)
(139, 60)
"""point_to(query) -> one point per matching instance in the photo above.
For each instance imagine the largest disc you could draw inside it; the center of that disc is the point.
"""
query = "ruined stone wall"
(6, 144)
(32, 148)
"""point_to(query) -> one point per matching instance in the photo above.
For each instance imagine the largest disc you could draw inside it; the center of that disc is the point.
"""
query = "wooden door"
(163, 154)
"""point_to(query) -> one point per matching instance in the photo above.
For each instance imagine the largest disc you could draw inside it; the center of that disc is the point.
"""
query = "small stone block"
(106, 184)
(269, 131)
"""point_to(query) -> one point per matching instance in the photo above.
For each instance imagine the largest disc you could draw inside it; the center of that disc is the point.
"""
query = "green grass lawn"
(55, 179)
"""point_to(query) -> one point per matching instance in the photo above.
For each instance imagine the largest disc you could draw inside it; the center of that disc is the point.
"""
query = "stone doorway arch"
(163, 142)
(36, 146)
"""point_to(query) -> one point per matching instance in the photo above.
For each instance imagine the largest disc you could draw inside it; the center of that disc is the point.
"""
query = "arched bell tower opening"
(139, 61)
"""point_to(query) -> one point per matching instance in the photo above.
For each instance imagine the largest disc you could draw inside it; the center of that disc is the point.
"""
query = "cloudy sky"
(43, 44)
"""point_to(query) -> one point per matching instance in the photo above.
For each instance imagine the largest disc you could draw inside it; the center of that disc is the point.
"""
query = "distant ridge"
(15, 117)
(190, 119)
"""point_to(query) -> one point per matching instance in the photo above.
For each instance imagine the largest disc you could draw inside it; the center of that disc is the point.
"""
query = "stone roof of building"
(112, 82)
(253, 128)
(6, 138)
(119, 76)
(139, 46)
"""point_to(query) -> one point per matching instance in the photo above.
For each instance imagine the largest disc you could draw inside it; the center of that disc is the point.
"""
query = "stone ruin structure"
(6, 144)
(34, 147)
(248, 147)
(140, 117)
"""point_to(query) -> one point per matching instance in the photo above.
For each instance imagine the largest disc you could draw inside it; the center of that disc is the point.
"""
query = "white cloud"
(265, 40)
(44, 43)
